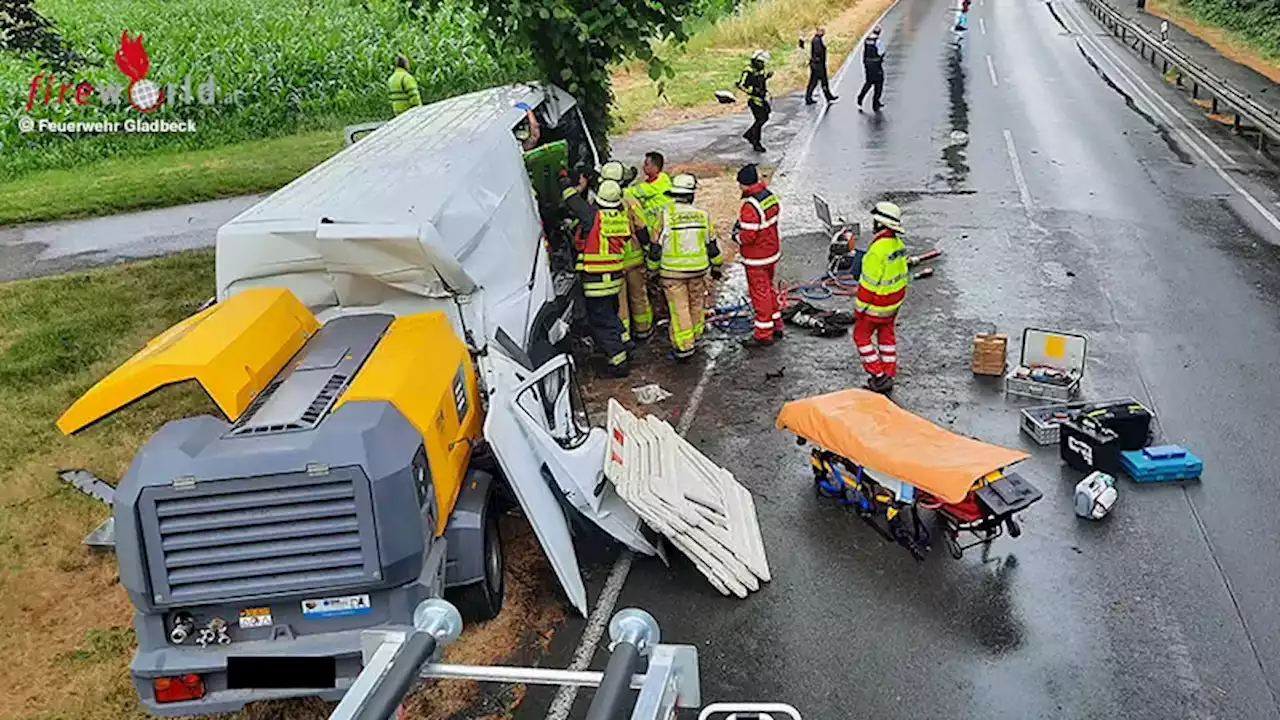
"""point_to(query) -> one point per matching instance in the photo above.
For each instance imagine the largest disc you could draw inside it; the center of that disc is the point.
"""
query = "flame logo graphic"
(144, 95)
(132, 58)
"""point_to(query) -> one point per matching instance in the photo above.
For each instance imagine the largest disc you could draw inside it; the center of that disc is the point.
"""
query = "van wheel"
(482, 601)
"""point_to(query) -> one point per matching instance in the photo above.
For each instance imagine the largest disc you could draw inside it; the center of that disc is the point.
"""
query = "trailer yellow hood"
(233, 349)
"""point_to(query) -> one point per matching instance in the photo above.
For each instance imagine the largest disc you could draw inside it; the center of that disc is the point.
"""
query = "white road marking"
(1151, 95)
(991, 68)
(789, 162)
(1124, 73)
(982, 23)
(1024, 194)
(562, 703)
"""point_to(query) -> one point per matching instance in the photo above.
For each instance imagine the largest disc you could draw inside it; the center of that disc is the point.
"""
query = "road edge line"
(567, 695)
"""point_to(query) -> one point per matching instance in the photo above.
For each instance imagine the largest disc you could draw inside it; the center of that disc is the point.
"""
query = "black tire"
(482, 601)
(953, 547)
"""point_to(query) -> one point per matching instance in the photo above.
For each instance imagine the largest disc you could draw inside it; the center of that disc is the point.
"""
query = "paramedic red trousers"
(877, 343)
(764, 298)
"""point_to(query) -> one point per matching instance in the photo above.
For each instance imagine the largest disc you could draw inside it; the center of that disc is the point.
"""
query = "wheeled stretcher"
(888, 464)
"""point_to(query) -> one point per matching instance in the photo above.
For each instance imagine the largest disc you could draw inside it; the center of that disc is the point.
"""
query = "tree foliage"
(24, 31)
(1256, 21)
(574, 42)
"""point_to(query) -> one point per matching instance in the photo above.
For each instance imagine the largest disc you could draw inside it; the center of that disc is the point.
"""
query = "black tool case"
(1087, 446)
(1130, 420)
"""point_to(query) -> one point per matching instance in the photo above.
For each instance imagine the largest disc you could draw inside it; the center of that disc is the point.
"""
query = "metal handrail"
(1266, 120)
(395, 660)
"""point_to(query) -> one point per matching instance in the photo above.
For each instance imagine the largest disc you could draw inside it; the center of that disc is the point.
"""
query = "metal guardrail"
(1248, 116)
(395, 661)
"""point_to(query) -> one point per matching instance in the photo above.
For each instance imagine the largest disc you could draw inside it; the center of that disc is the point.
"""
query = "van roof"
(431, 149)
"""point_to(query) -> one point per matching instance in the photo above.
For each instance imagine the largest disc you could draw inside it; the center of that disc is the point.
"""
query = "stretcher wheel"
(1014, 528)
(953, 546)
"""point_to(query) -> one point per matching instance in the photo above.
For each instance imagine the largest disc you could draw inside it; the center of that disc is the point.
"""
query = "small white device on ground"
(1095, 496)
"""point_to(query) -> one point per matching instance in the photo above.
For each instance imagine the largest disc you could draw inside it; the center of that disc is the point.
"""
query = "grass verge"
(165, 179)
(711, 60)
(67, 619)
(1232, 45)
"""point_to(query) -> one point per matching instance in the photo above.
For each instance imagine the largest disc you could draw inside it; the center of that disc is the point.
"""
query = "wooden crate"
(989, 351)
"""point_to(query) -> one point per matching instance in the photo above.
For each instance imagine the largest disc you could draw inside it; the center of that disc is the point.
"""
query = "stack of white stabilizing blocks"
(696, 504)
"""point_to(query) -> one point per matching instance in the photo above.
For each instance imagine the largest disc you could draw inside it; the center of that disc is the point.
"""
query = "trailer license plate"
(337, 606)
(255, 618)
(281, 673)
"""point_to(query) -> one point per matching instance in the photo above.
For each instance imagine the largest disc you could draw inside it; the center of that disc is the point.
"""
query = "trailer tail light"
(178, 688)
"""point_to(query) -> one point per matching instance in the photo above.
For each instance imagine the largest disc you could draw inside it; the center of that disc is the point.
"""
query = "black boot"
(616, 371)
(755, 342)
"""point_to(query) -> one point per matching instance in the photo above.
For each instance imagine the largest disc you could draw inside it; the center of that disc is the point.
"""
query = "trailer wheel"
(483, 600)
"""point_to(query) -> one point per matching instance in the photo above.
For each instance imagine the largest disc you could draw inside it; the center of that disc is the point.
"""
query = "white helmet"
(609, 195)
(888, 215)
(761, 55)
(683, 185)
(612, 170)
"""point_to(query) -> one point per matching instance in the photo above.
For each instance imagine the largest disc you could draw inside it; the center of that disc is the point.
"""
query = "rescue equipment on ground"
(1095, 495)
(1050, 365)
(1162, 463)
(699, 506)
(1042, 421)
(886, 462)
(1126, 418)
(1087, 446)
(989, 351)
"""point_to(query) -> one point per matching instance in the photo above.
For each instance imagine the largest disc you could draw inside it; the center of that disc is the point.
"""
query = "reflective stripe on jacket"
(758, 226)
(633, 254)
(653, 197)
(754, 83)
(883, 283)
(687, 242)
(402, 90)
(600, 252)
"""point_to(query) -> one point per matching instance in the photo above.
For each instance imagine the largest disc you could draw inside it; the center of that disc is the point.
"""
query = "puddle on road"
(1160, 129)
(955, 154)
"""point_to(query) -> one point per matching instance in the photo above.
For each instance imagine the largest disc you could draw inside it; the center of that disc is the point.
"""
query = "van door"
(537, 430)
(522, 467)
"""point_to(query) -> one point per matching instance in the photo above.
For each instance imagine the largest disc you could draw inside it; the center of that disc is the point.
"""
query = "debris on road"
(650, 394)
(1095, 496)
(699, 506)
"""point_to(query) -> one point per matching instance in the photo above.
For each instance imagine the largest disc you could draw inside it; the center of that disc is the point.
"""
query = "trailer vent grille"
(324, 399)
(243, 538)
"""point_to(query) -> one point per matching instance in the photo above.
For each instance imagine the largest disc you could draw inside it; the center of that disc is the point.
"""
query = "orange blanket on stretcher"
(870, 430)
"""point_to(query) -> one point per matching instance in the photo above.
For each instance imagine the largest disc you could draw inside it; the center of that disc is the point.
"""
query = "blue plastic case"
(1161, 464)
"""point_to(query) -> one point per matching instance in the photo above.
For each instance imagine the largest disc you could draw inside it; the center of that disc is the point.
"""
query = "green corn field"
(270, 67)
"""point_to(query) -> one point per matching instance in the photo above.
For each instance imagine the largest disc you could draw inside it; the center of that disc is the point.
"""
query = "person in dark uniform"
(754, 82)
(873, 67)
(818, 68)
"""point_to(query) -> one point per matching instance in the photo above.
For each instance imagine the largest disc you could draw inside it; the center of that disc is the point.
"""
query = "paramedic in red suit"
(760, 251)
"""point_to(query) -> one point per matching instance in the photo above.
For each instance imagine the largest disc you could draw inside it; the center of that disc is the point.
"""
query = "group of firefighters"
(628, 229)
(654, 225)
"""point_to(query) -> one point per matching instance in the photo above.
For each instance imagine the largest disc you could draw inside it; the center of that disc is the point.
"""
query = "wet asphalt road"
(1122, 231)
